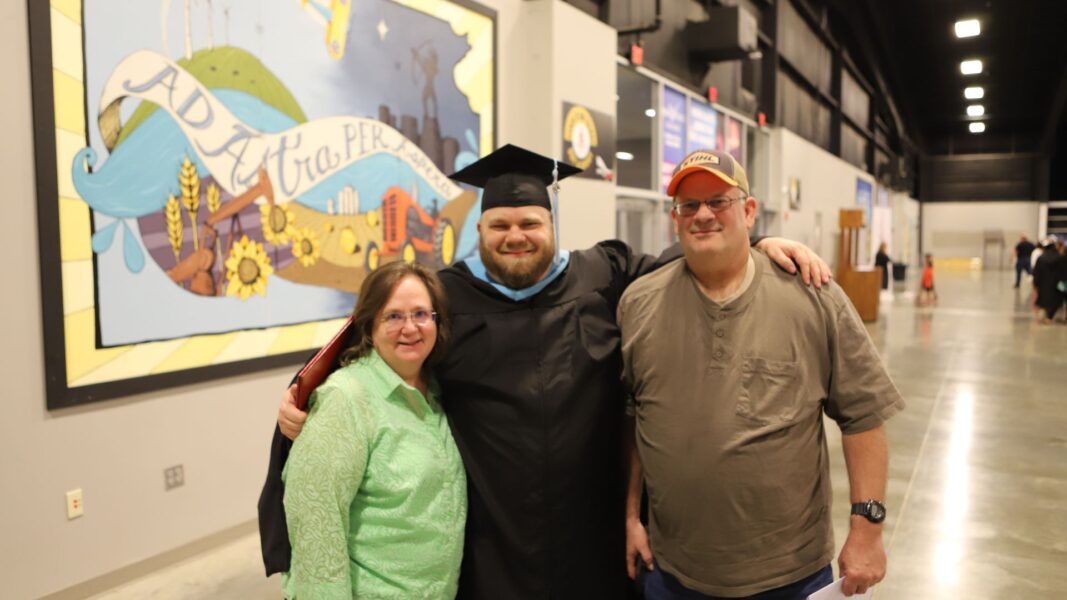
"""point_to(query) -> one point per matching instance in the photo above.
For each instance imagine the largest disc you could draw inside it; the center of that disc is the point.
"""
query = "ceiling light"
(968, 28)
(974, 93)
(650, 112)
(975, 110)
(971, 67)
(624, 156)
(977, 127)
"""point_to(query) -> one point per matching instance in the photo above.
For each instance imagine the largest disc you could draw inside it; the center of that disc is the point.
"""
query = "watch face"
(876, 511)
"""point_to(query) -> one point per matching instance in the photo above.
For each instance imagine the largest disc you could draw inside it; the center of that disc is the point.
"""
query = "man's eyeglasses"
(394, 321)
(692, 207)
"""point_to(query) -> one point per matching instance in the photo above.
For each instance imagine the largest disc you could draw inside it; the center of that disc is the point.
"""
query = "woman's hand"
(290, 418)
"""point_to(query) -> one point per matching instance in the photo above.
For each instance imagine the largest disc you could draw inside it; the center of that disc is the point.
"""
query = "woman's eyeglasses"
(394, 321)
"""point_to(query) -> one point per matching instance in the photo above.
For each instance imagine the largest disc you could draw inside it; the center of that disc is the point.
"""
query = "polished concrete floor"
(978, 462)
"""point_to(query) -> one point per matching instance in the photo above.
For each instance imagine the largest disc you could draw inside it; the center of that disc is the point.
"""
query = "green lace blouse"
(375, 492)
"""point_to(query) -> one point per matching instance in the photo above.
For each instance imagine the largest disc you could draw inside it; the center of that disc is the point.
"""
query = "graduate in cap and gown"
(533, 394)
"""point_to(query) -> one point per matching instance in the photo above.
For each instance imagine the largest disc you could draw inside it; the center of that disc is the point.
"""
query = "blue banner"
(673, 122)
(703, 127)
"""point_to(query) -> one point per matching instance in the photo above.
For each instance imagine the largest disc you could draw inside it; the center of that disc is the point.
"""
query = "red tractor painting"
(411, 233)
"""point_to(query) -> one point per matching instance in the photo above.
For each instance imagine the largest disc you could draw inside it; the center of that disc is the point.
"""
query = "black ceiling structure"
(1023, 48)
(1022, 153)
(906, 56)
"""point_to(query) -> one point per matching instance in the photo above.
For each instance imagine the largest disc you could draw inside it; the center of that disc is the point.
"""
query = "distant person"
(1059, 270)
(881, 259)
(1048, 271)
(927, 295)
(1035, 255)
(1022, 253)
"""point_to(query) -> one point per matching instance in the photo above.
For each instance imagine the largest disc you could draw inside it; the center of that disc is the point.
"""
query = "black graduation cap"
(514, 176)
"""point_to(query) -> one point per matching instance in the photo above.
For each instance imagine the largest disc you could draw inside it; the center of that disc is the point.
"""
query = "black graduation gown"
(533, 393)
(1048, 270)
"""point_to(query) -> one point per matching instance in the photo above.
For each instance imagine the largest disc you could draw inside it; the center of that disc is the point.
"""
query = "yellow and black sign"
(589, 141)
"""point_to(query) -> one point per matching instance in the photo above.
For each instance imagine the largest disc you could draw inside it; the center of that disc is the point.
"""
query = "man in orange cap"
(732, 362)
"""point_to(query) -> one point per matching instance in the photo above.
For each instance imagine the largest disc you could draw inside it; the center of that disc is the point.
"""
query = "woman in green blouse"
(375, 493)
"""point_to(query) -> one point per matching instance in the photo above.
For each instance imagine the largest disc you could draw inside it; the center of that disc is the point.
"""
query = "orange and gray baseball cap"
(720, 164)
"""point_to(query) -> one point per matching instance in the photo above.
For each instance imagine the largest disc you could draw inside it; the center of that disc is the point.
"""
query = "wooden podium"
(862, 285)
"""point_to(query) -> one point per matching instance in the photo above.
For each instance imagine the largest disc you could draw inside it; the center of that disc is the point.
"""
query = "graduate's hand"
(290, 418)
(787, 252)
(636, 544)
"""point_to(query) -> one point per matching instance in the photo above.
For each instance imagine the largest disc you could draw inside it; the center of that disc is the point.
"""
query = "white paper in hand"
(833, 592)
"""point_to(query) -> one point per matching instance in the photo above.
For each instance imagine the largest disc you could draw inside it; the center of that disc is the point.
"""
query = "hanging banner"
(703, 127)
(733, 139)
(672, 112)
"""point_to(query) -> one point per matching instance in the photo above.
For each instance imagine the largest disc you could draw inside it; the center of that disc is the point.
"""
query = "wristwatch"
(872, 510)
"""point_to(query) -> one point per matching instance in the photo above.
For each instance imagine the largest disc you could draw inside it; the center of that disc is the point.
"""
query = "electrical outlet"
(173, 477)
(75, 506)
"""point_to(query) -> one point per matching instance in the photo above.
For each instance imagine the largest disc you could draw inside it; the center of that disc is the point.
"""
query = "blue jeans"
(1020, 266)
(661, 585)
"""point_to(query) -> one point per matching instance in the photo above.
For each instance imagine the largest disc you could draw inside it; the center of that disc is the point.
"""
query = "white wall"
(827, 184)
(956, 229)
(905, 229)
(563, 54)
(220, 431)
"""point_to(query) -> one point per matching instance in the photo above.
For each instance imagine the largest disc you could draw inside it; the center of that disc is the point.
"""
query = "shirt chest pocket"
(768, 391)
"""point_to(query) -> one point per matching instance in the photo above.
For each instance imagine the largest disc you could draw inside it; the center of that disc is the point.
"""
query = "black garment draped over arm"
(273, 532)
(1045, 271)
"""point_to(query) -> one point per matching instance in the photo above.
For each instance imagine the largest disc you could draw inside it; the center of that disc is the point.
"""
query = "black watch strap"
(872, 510)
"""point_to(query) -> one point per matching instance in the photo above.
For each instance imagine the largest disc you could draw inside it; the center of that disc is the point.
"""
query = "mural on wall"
(224, 174)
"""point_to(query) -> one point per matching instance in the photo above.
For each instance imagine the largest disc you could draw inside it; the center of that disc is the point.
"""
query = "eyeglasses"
(394, 321)
(715, 205)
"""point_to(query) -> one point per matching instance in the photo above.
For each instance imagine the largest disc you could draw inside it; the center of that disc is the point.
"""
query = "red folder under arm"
(324, 363)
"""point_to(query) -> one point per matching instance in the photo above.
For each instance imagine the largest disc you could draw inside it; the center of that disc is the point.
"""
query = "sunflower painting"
(278, 227)
(247, 269)
(306, 247)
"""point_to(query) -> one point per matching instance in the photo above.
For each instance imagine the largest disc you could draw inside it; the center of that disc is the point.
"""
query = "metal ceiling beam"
(863, 16)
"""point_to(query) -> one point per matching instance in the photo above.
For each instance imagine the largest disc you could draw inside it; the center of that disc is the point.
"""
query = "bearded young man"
(532, 391)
